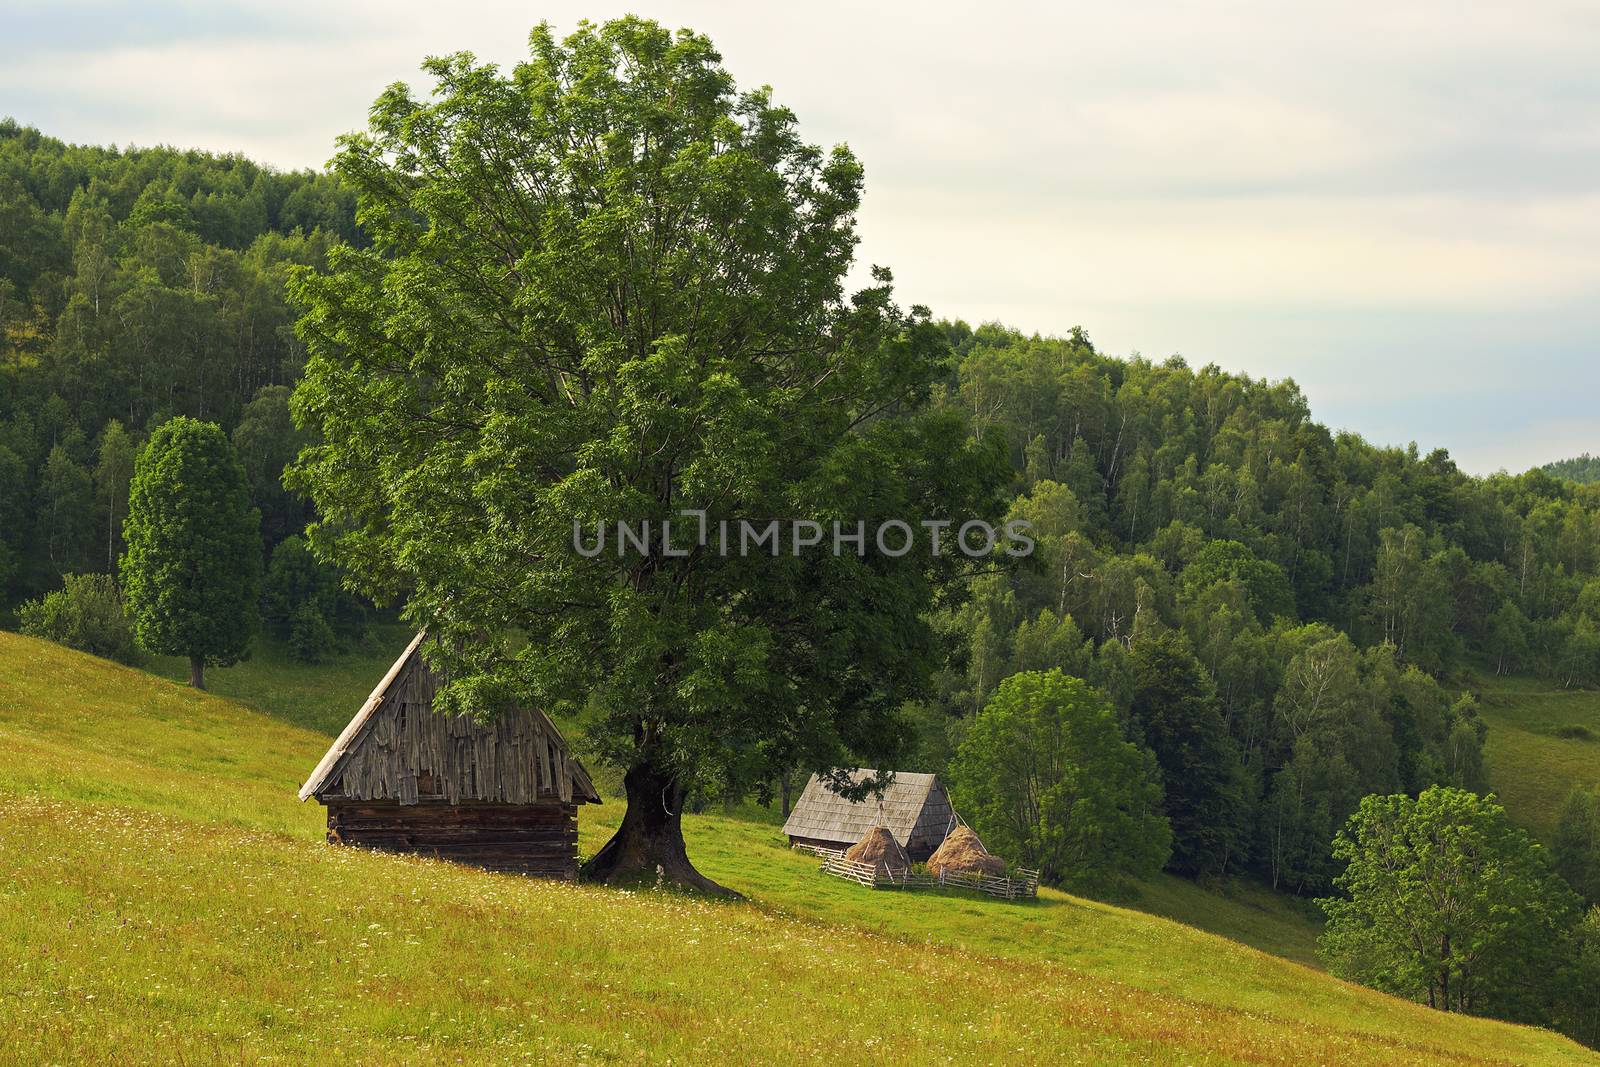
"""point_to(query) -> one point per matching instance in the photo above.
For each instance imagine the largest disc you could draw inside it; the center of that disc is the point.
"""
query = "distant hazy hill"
(1584, 468)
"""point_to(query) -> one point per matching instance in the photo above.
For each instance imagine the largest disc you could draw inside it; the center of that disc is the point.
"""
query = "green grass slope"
(322, 696)
(167, 899)
(1542, 742)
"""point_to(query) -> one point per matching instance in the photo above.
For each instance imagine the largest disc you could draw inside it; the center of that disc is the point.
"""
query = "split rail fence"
(1024, 884)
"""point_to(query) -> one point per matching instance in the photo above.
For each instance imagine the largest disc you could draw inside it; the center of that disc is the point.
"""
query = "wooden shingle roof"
(914, 808)
(398, 748)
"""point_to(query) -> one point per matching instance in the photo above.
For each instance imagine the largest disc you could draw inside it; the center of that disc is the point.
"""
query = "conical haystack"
(963, 853)
(880, 849)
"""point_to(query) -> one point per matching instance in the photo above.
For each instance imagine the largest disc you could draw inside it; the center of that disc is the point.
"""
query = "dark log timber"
(540, 839)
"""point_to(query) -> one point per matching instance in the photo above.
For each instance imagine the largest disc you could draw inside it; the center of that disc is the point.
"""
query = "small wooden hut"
(501, 795)
(915, 809)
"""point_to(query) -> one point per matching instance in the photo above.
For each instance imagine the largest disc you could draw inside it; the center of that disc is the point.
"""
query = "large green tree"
(193, 562)
(1448, 903)
(1174, 713)
(1048, 780)
(607, 286)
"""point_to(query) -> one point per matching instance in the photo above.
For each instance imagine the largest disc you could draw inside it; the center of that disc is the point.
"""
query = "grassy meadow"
(321, 697)
(1542, 741)
(169, 900)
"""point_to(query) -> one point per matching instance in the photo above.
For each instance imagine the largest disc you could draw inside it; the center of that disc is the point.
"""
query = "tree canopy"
(606, 287)
(1584, 468)
(193, 564)
(1047, 778)
(1448, 903)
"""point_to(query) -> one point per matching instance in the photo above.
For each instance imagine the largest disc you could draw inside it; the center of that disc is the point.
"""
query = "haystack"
(879, 848)
(963, 853)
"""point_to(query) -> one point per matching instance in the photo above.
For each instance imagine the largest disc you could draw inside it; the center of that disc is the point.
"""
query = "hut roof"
(914, 805)
(398, 748)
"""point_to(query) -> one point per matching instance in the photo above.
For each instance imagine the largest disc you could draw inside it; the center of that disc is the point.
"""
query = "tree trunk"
(647, 848)
(197, 672)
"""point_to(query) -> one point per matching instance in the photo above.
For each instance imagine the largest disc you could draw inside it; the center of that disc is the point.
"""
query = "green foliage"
(136, 284)
(1160, 459)
(1409, 599)
(1448, 903)
(1325, 586)
(194, 546)
(1463, 759)
(1045, 777)
(298, 586)
(1583, 469)
(87, 614)
(1575, 847)
(1208, 797)
(66, 512)
(311, 639)
(1580, 654)
(267, 441)
(671, 332)
(294, 580)
(1223, 561)
(1577, 1008)
(13, 515)
(1507, 638)
(113, 477)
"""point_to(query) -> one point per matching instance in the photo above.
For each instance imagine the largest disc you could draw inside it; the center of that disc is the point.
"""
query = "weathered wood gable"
(397, 748)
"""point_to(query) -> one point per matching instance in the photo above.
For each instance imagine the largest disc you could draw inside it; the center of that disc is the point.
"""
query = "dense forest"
(135, 286)
(1321, 597)
(1583, 469)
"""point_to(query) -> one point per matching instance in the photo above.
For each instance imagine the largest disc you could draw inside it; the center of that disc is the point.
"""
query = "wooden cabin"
(915, 808)
(501, 795)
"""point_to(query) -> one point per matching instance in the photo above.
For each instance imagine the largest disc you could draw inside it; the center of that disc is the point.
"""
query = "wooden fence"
(865, 874)
(1024, 884)
(818, 850)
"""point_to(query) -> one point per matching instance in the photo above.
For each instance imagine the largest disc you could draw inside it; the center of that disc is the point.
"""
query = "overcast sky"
(1397, 205)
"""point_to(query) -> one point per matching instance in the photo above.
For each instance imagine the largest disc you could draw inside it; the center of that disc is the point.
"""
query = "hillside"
(1542, 742)
(170, 898)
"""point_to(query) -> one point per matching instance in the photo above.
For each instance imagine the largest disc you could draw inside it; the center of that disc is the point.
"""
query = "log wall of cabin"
(538, 839)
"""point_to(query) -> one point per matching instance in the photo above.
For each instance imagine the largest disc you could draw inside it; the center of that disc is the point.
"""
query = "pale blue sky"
(1397, 205)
